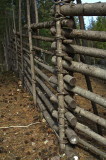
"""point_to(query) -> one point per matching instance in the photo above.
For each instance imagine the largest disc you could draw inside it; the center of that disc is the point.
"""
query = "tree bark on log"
(83, 68)
(87, 94)
(86, 51)
(87, 9)
(82, 34)
(66, 23)
(91, 133)
(92, 148)
(90, 116)
(31, 52)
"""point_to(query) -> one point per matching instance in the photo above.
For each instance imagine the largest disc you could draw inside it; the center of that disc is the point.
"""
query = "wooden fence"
(53, 85)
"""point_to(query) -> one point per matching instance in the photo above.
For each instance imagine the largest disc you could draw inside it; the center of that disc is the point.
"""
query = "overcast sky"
(87, 19)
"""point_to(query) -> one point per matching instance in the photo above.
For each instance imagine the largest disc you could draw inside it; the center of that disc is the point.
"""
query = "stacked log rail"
(80, 126)
(44, 80)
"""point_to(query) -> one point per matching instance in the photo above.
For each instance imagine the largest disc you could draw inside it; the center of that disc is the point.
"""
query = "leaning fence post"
(88, 82)
(21, 43)
(59, 54)
(14, 25)
(31, 52)
(5, 52)
(36, 11)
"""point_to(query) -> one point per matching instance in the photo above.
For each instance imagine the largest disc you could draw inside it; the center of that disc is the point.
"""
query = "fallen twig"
(19, 126)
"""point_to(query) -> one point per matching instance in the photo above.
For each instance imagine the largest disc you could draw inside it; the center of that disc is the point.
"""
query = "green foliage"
(99, 25)
(44, 7)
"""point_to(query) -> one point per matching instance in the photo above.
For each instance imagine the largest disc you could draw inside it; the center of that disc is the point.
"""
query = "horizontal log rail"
(89, 146)
(84, 69)
(70, 101)
(80, 91)
(65, 22)
(75, 33)
(86, 34)
(90, 116)
(92, 148)
(86, 51)
(38, 49)
(78, 126)
(87, 94)
(90, 133)
(87, 9)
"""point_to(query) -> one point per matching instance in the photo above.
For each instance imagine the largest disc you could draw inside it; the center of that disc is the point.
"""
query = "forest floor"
(37, 141)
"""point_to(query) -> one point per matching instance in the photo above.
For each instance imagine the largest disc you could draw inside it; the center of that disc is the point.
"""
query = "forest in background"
(44, 7)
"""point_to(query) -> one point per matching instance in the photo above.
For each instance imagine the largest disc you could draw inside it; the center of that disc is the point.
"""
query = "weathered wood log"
(91, 148)
(86, 34)
(87, 9)
(90, 133)
(47, 103)
(90, 116)
(70, 80)
(31, 52)
(84, 69)
(45, 66)
(47, 39)
(82, 92)
(68, 99)
(87, 94)
(71, 119)
(73, 138)
(66, 23)
(88, 146)
(14, 24)
(86, 51)
(71, 134)
(46, 78)
(47, 90)
(71, 153)
(81, 34)
(39, 49)
(55, 128)
(43, 50)
(47, 116)
(21, 45)
(61, 107)
(70, 102)
(84, 60)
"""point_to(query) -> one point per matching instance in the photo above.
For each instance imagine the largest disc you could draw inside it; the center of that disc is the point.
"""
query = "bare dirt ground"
(36, 142)
(16, 109)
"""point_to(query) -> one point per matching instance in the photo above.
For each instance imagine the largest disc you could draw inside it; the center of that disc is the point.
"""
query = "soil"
(38, 141)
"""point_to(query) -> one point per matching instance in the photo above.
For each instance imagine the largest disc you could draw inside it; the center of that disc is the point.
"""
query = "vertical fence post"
(88, 82)
(21, 43)
(36, 19)
(7, 44)
(5, 52)
(31, 52)
(14, 26)
(9, 36)
(61, 108)
(36, 11)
